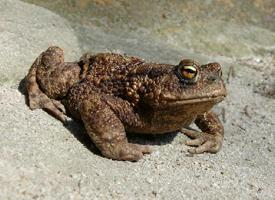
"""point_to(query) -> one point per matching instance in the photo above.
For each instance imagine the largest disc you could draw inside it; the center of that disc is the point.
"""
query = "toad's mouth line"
(215, 99)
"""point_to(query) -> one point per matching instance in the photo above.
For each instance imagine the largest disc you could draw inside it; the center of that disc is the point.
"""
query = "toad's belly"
(170, 119)
(162, 124)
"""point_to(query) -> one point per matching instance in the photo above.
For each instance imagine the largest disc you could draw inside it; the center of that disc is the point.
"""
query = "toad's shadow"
(79, 132)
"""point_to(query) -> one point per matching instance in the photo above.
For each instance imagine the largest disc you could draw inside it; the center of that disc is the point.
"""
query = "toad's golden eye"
(188, 72)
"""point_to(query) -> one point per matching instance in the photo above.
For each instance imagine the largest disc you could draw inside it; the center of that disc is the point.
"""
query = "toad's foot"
(52, 106)
(203, 142)
(128, 151)
(210, 139)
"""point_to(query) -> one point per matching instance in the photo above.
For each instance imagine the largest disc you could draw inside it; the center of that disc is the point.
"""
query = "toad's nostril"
(219, 72)
(212, 78)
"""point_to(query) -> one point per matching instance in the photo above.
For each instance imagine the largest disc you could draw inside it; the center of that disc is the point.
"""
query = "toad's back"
(126, 79)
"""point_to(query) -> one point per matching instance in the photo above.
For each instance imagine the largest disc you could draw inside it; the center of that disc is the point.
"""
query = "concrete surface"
(25, 31)
(42, 159)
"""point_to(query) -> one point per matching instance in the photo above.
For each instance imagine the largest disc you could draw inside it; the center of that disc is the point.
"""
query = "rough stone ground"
(42, 159)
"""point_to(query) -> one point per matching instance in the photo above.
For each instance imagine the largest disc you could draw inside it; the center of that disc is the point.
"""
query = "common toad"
(113, 94)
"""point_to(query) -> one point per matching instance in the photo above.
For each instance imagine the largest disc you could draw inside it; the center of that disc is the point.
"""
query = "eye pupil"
(189, 70)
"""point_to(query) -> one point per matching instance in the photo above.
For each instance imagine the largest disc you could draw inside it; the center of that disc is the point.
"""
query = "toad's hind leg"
(51, 59)
(107, 131)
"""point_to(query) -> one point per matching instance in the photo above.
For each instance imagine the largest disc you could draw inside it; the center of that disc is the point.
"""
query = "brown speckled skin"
(113, 94)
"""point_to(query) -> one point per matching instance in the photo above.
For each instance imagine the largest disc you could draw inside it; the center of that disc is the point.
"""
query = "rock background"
(42, 159)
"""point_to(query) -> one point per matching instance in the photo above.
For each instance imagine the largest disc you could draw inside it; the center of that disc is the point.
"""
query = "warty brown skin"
(113, 94)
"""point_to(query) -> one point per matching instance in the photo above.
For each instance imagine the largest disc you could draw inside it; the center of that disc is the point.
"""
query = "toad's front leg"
(210, 139)
(107, 131)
